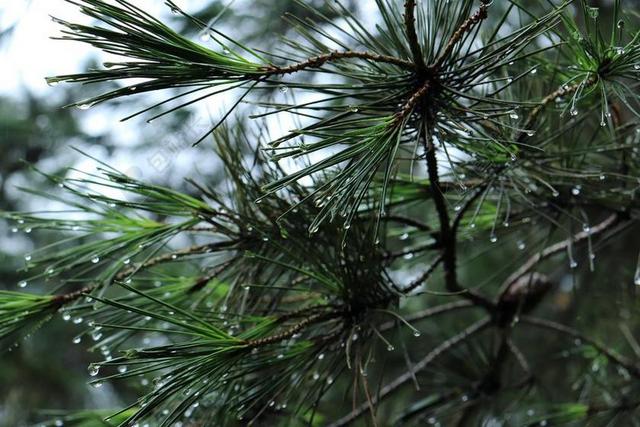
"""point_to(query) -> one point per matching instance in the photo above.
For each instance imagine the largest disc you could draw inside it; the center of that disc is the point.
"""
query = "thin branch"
(172, 256)
(630, 366)
(478, 16)
(429, 312)
(395, 255)
(447, 234)
(421, 365)
(311, 320)
(412, 102)
(420, 280)
(320, 60)
(559, 247)
(552, 97)
(520, 357)
(412, 35)
(408, 221)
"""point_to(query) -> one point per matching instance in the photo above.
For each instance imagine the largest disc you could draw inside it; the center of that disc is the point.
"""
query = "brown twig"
(447, 233)
(413, 101)
(420, 280)
(412, 35)
(633, 368)
(273, 339)
(559, 93)
(320, 60)
(549, 251)
(478, 16)
(407, 221)
(63, 299)
(408, 376)
(428, 313)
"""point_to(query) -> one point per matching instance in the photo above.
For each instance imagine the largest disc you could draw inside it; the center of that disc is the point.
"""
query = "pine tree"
(400, 257)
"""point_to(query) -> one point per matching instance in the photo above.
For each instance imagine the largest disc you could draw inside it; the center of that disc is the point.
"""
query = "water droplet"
(586, 228)
(576, 190)
(573, 264)
(321, 356)
(126, 261)
(96, 384)
(77, 340)
(95, 259)
(493, 238)
(14, 229)
(574, 112)
(283, 88)
(78, 320)
(94, 369)
(28, 230)
(58, 423)
(513, 115)
(390, 347)
(22, 284)
(66, 317)
(83, 106)
(408, 256)
(416, 333)
(521, 245)
(122, 369)
(27, 257)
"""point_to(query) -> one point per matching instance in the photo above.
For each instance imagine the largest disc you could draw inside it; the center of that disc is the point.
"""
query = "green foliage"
(268, 299)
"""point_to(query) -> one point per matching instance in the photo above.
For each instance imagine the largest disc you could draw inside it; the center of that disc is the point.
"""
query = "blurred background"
(49, 370)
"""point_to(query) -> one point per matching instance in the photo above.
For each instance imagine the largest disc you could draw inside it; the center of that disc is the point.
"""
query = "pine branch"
(632, 367)
(466, 26)
(401, 380)
(412, 35)
(610, 222)
(320, 60)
